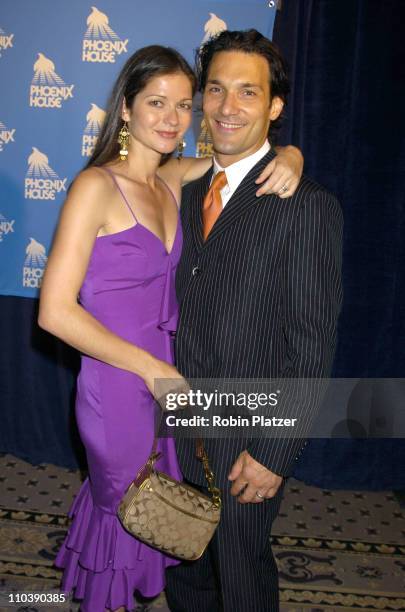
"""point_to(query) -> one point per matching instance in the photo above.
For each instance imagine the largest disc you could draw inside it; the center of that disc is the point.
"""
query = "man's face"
(236, 103)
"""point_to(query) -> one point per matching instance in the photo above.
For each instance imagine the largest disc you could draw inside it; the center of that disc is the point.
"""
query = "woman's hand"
(161, 379)
(282, 175)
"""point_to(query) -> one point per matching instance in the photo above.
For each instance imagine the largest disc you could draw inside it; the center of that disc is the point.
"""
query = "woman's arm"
(285, 170)
(184, 170)
(84, 214)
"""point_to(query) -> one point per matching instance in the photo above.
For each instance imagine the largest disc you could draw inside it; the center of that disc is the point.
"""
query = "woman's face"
(161, 113)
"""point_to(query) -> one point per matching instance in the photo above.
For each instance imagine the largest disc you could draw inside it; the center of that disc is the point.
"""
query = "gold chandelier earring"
(180, 149)
(123, 140)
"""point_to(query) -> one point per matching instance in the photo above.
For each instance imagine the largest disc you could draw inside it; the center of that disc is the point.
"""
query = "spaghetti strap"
(114, 178)
(169, 190)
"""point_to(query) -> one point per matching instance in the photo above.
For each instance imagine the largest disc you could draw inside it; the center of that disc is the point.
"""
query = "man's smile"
(227, 126)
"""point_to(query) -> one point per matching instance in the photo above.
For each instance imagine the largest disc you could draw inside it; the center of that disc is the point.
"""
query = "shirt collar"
(235, 173)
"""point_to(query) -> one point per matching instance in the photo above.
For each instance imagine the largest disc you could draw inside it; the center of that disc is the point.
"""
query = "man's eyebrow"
(251, 85)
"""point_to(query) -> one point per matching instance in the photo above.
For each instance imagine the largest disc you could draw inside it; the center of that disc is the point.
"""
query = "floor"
(336, 550)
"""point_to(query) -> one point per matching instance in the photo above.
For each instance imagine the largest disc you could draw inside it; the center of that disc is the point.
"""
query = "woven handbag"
(170, 515)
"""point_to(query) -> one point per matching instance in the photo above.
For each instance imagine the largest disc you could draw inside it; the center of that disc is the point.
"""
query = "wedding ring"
(259, 495)
(284, 189)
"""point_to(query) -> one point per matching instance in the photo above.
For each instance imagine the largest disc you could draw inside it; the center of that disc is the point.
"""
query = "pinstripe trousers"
(237, 572)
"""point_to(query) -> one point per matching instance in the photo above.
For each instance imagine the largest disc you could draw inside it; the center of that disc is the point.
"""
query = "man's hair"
(246, 41)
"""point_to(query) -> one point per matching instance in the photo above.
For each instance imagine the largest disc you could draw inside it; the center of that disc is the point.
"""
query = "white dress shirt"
(235, 173)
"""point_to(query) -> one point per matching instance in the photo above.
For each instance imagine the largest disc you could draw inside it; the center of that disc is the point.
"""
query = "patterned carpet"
(336, 550)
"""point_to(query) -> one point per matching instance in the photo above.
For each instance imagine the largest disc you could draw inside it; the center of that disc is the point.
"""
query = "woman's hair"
(140, 68)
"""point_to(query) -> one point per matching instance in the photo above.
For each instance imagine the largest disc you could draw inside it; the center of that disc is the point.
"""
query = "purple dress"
(129, 287)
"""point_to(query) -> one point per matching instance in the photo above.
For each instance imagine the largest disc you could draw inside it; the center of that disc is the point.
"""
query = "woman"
(117, 247)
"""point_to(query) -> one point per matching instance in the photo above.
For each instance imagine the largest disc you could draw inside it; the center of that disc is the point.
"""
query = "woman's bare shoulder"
(94, 179)
(93, 186)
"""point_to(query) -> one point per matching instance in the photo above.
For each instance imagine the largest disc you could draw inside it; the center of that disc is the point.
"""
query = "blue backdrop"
(58, 61)
(331, 115)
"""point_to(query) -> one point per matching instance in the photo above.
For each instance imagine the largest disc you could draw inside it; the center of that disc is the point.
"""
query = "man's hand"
(251, 477)
(283, 173)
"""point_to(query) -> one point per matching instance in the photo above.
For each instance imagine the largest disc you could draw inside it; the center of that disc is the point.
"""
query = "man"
(260, 293)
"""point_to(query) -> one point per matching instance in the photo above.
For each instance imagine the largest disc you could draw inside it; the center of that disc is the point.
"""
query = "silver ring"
(259, 495)
(284, 189)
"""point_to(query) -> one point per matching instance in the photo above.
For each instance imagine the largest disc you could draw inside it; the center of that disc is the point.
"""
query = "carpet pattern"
(336, 550)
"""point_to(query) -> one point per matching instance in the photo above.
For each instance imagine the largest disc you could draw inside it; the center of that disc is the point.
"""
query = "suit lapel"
(243, 199)
(199, 193)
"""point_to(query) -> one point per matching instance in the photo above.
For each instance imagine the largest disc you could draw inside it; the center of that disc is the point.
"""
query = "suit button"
(195, 271)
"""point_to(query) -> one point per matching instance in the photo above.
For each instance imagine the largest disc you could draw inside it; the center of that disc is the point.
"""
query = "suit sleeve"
(312, 296)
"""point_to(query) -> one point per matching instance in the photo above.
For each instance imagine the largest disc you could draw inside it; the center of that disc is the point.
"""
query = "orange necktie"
(212, 206)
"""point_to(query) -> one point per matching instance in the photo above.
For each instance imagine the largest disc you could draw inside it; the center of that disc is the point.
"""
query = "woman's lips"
(168, 135)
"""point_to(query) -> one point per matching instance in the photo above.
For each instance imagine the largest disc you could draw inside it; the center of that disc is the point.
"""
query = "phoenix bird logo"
(214, 26)
(95, 118)
(35, 254)
(98, 27)
(204, 142)
(38, 165)
(205, 136)
(44, 72)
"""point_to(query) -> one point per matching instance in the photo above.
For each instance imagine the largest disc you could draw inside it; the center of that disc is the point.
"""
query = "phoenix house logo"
(204, 146)
(94, 118)
(6, 227)
(213, 26)
(6, 41)
(101, 43)
(48, 89)
(41, 182)
(6, 136)
(34, 265)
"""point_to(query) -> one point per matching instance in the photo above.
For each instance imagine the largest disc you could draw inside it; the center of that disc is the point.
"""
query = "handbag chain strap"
(209, 474)
(201, 454)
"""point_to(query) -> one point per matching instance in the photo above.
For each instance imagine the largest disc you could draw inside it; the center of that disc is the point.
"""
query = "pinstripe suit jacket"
(259, 299)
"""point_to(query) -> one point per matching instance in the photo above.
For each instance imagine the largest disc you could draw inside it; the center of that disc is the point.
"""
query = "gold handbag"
(170, 515)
